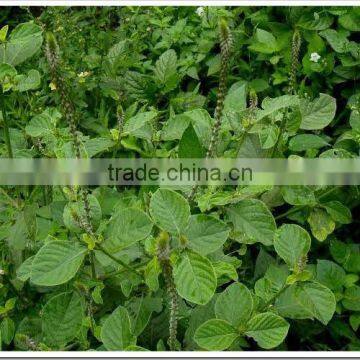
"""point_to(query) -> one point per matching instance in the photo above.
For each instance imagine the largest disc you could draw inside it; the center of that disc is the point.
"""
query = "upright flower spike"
(295, 50)
(163, 255)
(225, 46)
(68, 109)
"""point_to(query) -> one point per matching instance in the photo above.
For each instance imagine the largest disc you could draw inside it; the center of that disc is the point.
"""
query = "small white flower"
(315, 57)
(2, 272)
(83, 74)
(200, 11)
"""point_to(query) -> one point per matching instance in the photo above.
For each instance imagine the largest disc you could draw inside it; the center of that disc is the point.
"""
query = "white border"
(183, 354)
(180, 3)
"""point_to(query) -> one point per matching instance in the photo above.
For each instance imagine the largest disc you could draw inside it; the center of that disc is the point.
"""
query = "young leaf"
(292, 243)
(215, 334)
(321, 224)
(169, 210)
(338, 212)
(235, 305)
(194, 278)
(56, 263)
(330, 274)
(267, 329)
(190, 146)
(165, 70)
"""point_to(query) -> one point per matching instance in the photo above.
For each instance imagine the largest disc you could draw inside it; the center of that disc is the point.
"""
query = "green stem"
(112, 257)
(6, 129)
(92, 263)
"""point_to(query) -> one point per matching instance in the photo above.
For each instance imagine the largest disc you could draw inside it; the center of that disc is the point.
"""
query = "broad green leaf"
(272, 105)
(56, 263)
(235, 100)
(298, 195)
(24, 271)
(116, 330)
(75, 215)
(264, 42)
(354, 321)
(305, 142)
(268, 136)
(206, 234)
(338, 212)
(348, 255)
(126, 227)
(25, 40)
(194, 278)
(62, 318)
(235, 305)
(3, 33)
(97, 145)
(351, 299)
(350, 20)
(224, 272)
(292, 243)
(151, 274)
(215, 334)
(330, 274)
(165, 70)
(321, 224)
(140, 125)
(307, 300)
(309, 21)
(170, 211)
(253, 219)
(337, 40)
(190, 146)
(44, 123)
(31, 81)
(318, 113)
(267, 329)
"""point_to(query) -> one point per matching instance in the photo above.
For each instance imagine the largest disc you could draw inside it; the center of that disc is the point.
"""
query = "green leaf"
(190, 146)
(318, 113)
(330, 274)
(3, 33)
(116, 330)
(74, 214)
(194, 278)
(151, 274)
(170, 211)
(321, 224)
(25, 40)
(215, 334)
(354, 321)
(97, 145)
(267, 329)
(126, 227)
(7, 331)
(338, 212)
(31, 81)
(235, 305)
(264, 42)
(24, 271)
(62, 318)
(298, 195)
(350, 20)
(292, 243)
(56, 263)
(235, 100)
(272, 105)
(305, 142)
(44, 123)
(307, 300)
(165, 70)
(140, 125)
(268, 136)
(337, 40)
(351, 299)
(254, 219)
(309, 21)
(348, 255)
(206, 234)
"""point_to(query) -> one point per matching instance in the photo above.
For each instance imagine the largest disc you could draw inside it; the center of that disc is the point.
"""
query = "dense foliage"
(207, 268)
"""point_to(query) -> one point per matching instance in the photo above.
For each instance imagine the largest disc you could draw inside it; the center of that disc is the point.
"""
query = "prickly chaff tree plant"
(136, 268)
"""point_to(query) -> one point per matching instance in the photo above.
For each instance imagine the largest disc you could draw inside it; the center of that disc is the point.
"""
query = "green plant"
(191, 268)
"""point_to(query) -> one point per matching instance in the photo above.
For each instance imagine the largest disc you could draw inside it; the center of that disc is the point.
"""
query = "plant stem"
(112, 257)
(6, 129)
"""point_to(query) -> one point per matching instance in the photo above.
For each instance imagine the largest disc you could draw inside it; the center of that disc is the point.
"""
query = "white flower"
(2, 272)
(315, 57)
(83, 74)
(200, 11)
